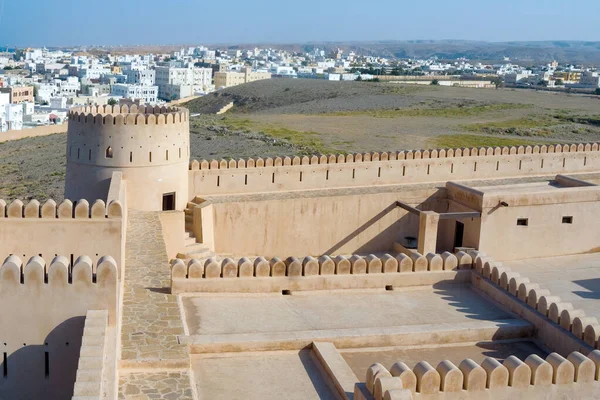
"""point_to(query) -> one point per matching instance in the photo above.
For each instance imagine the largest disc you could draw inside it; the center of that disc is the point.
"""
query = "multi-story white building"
(93, 72)
(174, 83)
(147, 93)
(14, 116)
(145, 77)
(590, 79)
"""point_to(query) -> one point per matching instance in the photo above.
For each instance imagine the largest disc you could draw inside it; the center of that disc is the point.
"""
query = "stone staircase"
(192, 249)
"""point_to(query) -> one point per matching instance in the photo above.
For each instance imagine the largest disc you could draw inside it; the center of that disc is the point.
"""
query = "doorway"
(458, 234)
(168, 201)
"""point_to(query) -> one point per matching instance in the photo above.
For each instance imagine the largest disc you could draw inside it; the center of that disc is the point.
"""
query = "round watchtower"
(149, 145)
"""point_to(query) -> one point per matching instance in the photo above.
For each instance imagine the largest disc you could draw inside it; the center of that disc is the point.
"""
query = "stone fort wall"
(48, 302)
(150, 145)
(388, 168)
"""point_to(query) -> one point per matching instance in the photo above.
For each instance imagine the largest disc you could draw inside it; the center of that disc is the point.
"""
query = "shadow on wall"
(406, 225)
(43, 371)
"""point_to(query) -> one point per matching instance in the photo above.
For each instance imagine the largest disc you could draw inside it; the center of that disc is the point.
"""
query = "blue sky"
(77, 22)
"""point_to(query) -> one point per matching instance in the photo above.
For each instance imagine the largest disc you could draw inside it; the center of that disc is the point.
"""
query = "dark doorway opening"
(168, 201)
(459, 233)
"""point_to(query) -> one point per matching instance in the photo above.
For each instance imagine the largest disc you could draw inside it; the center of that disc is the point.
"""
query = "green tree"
(597, 92)
(498, 81)
(435, 82)
(112, 102)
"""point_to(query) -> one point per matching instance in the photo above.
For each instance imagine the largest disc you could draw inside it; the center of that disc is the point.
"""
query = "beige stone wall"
(545, 234)
(48, 304)
(33, 132)
(173, 227)
(372, 169)
(336, 224)
(150, 146)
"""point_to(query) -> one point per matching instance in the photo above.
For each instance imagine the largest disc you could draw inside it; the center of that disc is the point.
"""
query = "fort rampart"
(388, 168)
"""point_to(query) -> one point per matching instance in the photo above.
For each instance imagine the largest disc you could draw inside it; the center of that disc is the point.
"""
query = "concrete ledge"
(319, 282)
(411, 335)
(336, 367)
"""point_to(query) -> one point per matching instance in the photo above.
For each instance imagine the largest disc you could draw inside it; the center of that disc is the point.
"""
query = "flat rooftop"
(306, 311)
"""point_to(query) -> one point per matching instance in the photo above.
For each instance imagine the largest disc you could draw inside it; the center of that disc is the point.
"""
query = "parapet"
(65, 210)
(13, 272)
(128, 115)
(391, 156)
(310, 273)
(401, 382)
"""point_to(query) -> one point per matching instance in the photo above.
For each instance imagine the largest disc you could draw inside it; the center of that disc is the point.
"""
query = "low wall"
(173, 227)
(94, 378)
(388, 168)
(42, 321)
(33, 132)
(534, 378)
(325, 273)
(48, 230)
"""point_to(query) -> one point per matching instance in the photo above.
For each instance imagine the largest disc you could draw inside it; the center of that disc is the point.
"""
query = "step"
(188, 211)
(189, 241)
(407, 335)
(188, 234)
(191, 204)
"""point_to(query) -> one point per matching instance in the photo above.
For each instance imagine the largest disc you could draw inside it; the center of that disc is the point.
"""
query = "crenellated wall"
(532, 378)
(388, 168)
(48, 229)
(48, 302)
(149, 145)
(324, 273)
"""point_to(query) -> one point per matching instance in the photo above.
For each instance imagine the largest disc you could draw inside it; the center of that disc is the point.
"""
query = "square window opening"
(168, 202)
(522, 221)
(567, 220)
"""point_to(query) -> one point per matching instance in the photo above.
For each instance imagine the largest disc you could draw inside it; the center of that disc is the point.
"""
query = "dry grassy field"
(322, 116)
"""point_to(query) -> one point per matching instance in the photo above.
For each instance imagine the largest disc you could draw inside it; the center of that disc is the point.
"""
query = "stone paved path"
(151, 317)
(158, 385)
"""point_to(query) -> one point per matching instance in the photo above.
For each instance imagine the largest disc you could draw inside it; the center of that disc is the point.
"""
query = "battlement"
(82, 209)
(578, 332)
(388, 168)
(448, 379)
(128, 115)
(317, 273)
(36, 272)
(390, 156)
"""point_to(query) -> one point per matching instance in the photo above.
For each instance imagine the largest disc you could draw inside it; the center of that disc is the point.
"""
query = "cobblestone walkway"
(151, 317)
(159, 385)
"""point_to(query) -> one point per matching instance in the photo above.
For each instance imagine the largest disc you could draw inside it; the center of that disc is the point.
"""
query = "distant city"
(38, 86)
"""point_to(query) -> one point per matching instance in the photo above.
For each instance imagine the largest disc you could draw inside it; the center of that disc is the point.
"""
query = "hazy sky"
(76, 22)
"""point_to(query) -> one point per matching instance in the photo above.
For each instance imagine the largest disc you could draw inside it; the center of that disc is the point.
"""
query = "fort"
(416, 274)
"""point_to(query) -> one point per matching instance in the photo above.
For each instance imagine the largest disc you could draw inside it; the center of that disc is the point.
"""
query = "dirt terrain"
(293, 117)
